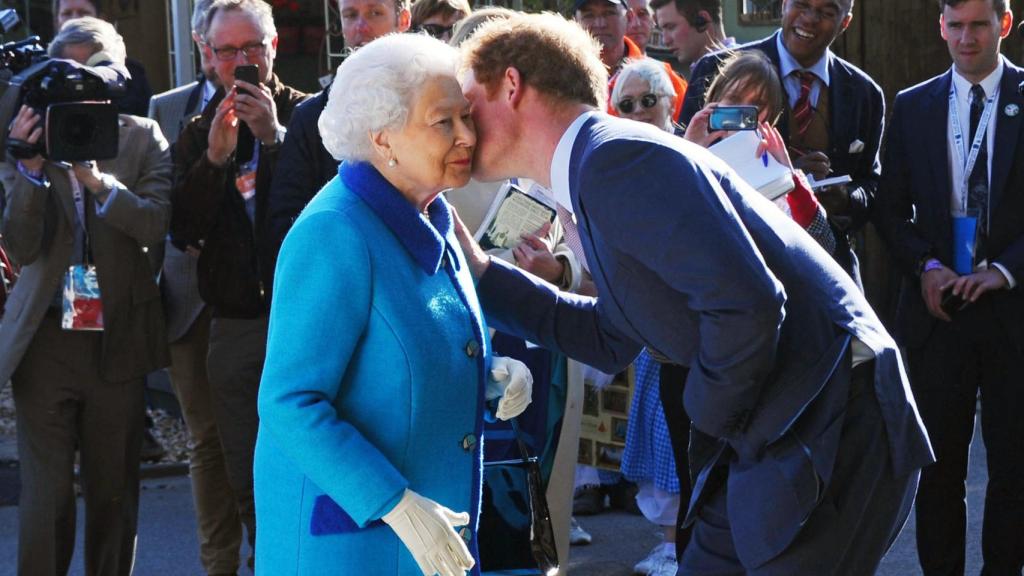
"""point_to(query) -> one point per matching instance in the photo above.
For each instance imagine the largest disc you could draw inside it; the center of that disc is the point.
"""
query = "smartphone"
(248, 73)
(952, 303)
(246, 143)
(733, 118)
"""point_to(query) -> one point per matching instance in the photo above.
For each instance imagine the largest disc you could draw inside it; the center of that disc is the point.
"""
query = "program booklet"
(764, 173)
(513, 213)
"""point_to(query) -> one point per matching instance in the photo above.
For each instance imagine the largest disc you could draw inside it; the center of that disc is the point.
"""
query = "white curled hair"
(647, 69)
(375, 87)
(100, 34)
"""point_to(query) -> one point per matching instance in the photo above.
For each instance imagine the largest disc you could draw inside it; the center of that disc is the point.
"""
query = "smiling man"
(834, 111)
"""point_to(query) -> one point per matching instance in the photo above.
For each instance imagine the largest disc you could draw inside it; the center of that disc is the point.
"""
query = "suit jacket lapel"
(935, 138)
(1007, 132)
(60, 184)
(844, 110)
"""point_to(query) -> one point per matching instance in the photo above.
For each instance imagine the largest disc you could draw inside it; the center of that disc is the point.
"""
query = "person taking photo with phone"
(749, 79)
(219, 201)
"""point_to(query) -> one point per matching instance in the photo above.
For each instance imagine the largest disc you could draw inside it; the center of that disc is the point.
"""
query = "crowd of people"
(305, 267)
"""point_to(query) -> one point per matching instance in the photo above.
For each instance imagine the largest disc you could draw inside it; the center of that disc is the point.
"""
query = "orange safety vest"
(678, 82)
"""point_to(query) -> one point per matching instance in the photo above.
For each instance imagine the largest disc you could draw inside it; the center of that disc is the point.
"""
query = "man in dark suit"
(954, 148)
(807, 439)
(78, 390)
(304, 165)
(834, 111)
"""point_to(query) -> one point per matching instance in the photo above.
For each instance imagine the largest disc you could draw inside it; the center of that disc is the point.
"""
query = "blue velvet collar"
(423, 236)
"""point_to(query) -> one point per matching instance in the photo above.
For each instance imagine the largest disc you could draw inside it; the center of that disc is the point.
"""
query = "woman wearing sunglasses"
(749, 78)
(438, 18)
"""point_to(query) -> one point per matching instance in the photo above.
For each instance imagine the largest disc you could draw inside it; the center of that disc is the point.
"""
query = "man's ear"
(1006, 23)
(846, 22)
(512, 86)
(404, 20)
(942, 27)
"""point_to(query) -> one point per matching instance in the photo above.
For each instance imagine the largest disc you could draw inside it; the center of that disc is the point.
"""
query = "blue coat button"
(468, 442)
(472, 348)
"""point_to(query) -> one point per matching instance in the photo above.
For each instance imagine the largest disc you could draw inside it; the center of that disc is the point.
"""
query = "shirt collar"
(788, 64)
(560, 161)
(422, 235)
(990, 83)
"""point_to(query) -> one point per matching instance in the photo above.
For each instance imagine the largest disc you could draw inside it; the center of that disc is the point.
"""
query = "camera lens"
(78, 130)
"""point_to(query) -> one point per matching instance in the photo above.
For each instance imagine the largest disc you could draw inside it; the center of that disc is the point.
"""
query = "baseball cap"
(579, 4)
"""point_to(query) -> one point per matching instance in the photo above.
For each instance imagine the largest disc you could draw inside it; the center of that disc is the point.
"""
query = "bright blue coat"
(374, 381)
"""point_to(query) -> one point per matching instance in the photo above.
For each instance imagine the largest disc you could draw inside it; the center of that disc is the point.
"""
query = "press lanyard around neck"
(78, 193)
(960, 143)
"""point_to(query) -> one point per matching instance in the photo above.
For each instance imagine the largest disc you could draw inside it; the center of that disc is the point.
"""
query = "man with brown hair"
(691, 28)
(807, 443)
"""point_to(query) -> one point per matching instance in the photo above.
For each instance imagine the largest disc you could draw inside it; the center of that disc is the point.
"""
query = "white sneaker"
(665, 566)
(661, 552)
(577, 535)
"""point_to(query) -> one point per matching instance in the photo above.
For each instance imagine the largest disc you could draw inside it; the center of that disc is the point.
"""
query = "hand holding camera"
(26, 127)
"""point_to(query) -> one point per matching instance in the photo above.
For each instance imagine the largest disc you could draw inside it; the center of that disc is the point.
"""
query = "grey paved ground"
(168, 546)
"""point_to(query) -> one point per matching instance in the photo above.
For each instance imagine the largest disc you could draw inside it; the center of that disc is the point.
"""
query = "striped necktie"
(803, 113)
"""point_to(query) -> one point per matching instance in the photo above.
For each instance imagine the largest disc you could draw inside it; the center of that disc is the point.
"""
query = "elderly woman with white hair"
(643, 92)
(378, 370)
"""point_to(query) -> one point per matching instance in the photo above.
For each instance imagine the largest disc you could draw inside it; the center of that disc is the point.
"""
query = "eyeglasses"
(436, 30)
(649, 100)
(228, 53)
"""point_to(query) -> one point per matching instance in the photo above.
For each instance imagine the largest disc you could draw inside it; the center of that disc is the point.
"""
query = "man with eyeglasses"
(188, 333)
(219, 202)
(305, 165)
(834, 112)
(607, 21)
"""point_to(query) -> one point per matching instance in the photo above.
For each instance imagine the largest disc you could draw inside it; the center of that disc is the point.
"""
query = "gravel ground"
(169, 431)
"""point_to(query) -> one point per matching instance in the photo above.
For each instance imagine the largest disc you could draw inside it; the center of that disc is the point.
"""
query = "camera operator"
(83, 388)
(220, 213)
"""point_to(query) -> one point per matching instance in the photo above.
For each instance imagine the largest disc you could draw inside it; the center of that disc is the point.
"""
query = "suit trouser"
(220, 528)
(235, 366)
(946, 374)
(62, 404)
(860, 514)
(671, 384)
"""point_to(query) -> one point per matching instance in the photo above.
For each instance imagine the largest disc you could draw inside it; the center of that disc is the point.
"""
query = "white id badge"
(83, 309)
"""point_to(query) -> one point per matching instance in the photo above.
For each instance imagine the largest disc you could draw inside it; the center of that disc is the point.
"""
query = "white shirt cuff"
(1011, 283)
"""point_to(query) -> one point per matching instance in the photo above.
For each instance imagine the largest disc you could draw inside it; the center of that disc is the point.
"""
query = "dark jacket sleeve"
(894, 206)
(866, 174)
(199, 185)
(303, 168)
(703, 73)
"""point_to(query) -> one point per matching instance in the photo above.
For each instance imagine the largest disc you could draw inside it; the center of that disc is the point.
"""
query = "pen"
(764, 158)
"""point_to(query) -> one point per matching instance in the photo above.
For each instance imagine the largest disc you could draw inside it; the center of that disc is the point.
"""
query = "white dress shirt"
(788, 64)
(961, 88)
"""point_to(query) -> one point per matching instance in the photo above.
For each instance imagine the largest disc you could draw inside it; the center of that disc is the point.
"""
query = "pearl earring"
(392, 163)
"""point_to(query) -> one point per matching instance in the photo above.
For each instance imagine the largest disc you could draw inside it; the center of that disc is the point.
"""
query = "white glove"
(428, 530)
(512, 382)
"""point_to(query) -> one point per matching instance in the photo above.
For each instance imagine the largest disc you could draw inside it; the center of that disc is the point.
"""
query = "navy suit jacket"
(692, 262)
(857, 108)
(913, 212)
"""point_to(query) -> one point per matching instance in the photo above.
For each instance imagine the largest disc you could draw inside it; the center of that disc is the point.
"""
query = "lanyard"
(78, 193)
(960, 144)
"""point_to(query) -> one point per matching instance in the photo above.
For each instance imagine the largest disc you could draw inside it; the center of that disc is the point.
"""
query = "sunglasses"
(627, 105)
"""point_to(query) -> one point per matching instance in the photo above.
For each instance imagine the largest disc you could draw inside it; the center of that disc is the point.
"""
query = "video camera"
(79, 121)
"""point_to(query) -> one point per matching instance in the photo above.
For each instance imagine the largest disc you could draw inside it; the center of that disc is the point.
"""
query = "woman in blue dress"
(368, 459)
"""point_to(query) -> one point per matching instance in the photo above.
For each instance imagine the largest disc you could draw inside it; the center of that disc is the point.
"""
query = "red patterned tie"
(803, 113)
